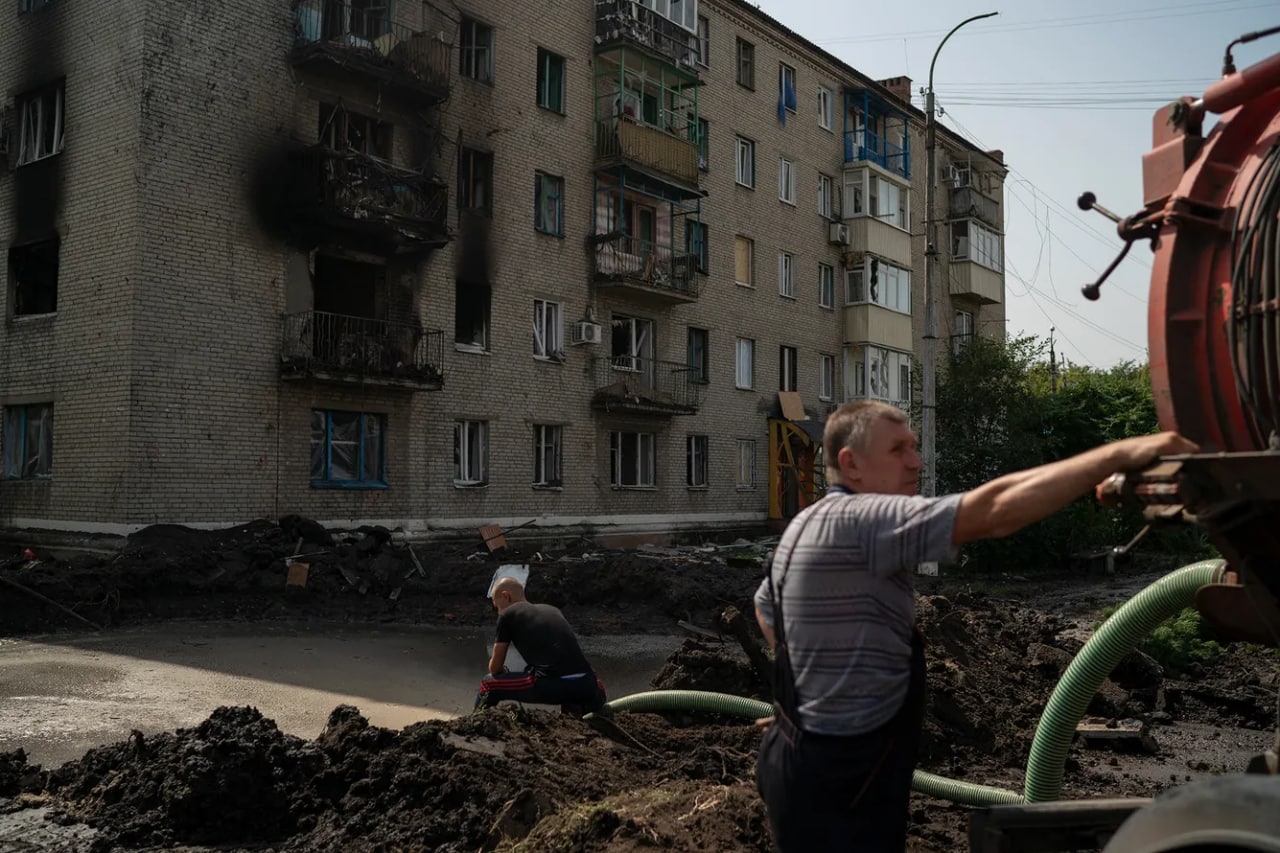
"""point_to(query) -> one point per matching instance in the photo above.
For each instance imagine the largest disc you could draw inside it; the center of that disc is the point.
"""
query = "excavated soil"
(516, 779)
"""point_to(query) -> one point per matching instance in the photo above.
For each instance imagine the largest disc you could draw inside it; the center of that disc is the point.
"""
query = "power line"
(1214, 7)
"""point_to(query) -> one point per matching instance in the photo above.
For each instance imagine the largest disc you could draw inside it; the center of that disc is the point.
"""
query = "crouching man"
(557, 672)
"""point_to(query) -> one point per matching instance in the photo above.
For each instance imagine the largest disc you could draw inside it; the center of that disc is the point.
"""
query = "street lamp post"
(929, 423)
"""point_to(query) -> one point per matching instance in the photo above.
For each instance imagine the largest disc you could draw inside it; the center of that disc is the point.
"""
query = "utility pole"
(1053, 363)
(929, 423)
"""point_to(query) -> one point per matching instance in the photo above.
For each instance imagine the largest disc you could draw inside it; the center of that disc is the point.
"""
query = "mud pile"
(168, 571)
(480, 782)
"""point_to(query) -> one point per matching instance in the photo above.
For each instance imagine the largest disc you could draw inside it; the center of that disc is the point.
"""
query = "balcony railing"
(622, 139)
(863, 145)
(630, 261)
(622, 21)
(632, 383)
(358, 36)
(318, 344)
(967, 202)
(362, 193)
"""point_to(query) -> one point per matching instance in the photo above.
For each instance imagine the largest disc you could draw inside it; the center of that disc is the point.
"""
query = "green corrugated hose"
(1117, 637)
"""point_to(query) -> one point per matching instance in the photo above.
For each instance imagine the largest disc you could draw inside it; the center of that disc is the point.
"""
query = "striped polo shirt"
(845, 566)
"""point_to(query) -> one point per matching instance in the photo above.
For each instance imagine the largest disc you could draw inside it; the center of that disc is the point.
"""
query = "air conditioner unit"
(957, 175)
(585, 332)
(839, 234)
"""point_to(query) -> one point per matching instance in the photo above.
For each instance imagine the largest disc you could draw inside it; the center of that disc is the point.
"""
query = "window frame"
(746, 70)
(746, 463)
(697, 447)
(548, 330)
(696, 235)
(464, 432)
(826, 286)
(698, 357)
(826, 376)
(471, 52)
(548, 439)
(26, 257)
(19, 463)
(704, 41)
(745, 167)
(360, 481)
(788, 368)
(788, 105)
(747, 347)
(826, 108)
(546, 63)
(826, 197)
(30, 107)
(786, 181)
(962, 330)
(741, 242)
(552, 187)
(475, 169)
(642, 471)
(892, 285)
(786, 275)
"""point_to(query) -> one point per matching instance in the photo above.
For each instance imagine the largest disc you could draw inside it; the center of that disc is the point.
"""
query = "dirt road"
(60, 696)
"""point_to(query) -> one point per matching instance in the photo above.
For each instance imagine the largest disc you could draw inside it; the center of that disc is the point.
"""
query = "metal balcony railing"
(863, 145)
(650, 147)
(634, 383)
(360, 36)
(631, 260)
(364, 189)
(628, 21)
(361, 349)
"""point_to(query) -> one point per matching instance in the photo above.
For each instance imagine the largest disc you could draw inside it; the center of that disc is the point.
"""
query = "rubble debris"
(1093, 732)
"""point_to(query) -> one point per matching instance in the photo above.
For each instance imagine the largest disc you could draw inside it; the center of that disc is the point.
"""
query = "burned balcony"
(638, 385)
(358, 37)
(337, 348)
(389, 209)
(660, 272)
(620, 23)
(967, 202)
(626, 142)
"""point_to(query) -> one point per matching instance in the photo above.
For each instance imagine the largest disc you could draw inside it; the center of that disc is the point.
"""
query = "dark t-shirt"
(543, 638)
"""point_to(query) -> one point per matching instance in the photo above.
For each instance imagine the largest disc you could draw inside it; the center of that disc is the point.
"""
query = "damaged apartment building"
(605, 266)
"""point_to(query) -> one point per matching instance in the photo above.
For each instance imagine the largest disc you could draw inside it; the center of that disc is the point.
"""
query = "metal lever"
(1093, 291)
(1089, 201)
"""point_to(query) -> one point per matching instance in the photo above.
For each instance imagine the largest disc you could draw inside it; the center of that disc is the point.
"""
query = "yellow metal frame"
(794, 464)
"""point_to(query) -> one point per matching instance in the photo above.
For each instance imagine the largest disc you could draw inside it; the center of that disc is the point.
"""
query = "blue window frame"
(348, 450)
(28, 442)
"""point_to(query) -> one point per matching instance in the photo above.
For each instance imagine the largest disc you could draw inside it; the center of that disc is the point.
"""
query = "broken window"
(471, 316)
(348, 449)
(548, 212)
(475, 54)
(40, 123)
(350, 132)
(34, 271)
(548, 330)
(695, 476)
(546, 455)
(475, 181)
(632, 344)
(28, 442)
(470, 453)
(631, 459)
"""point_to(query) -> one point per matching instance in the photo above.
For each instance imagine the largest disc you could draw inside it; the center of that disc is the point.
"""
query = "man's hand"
(1133, 454)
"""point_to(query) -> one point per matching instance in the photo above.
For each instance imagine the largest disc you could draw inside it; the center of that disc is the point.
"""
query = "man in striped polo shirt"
(836, 762)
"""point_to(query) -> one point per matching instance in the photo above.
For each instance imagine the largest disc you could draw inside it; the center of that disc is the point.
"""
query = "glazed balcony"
(644, 268)
(338, 348)
(863, 146)
(639, 385)
(623, 141)
(393, 210)
(358, 38)
(626, 22)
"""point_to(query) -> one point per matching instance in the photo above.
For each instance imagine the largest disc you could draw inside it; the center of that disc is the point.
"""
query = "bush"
(1178, 642)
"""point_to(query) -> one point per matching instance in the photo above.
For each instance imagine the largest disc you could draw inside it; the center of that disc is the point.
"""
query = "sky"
(1068, 93)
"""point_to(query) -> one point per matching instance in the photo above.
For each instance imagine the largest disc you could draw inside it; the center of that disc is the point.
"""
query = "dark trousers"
(826, 793)
(574, 695)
